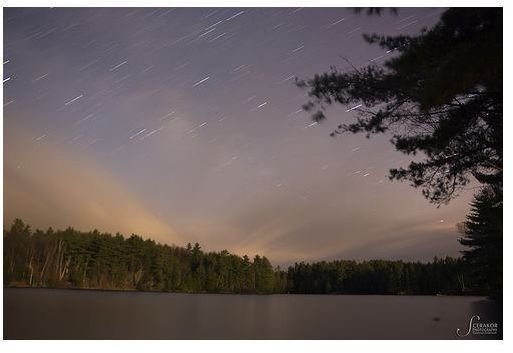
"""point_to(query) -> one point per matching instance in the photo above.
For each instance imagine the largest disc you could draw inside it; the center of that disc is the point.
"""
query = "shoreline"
(259, 294)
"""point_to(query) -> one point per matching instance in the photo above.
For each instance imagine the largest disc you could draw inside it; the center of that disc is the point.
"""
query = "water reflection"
(75, 314)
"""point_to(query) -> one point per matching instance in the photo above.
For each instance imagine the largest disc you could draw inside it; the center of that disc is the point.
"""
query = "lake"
(83, 314)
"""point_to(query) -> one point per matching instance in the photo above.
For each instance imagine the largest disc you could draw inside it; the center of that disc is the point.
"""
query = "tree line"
(71, 258)
(441, 276)
(74, 259)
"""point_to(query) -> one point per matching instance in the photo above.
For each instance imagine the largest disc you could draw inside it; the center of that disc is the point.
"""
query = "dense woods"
(74, 259)
(70, 258)
(442, 276)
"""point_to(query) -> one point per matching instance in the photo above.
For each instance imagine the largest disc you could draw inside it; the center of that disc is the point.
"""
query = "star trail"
(186, 125)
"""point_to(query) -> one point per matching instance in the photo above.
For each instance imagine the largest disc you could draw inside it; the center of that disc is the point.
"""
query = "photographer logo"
(478, 328)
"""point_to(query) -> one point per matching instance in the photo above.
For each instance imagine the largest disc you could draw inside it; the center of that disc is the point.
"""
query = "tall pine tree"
(482, 233)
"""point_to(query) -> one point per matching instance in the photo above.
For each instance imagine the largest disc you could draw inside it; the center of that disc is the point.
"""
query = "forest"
(93, 260)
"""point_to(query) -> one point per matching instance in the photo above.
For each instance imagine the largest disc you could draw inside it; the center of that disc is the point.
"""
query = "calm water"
(75, 314)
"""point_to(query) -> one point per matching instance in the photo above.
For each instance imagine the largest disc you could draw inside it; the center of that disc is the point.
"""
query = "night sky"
(185, 125)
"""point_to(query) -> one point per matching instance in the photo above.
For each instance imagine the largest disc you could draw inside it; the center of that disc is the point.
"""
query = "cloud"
(50, 185)
(271, 202)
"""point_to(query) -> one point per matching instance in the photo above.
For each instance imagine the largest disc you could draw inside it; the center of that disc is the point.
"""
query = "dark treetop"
(441, 95)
